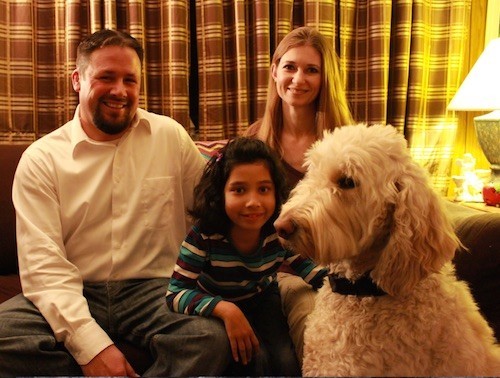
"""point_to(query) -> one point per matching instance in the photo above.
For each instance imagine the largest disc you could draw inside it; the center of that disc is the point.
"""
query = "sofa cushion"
(479, 265)
(10, 286)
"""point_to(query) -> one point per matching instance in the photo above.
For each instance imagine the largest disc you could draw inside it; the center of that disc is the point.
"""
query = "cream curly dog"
(392, 305)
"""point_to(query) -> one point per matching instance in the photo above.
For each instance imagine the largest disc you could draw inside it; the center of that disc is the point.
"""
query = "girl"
(228, 261)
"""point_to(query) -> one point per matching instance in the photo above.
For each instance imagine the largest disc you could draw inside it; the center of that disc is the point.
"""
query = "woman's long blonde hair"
(332, 108)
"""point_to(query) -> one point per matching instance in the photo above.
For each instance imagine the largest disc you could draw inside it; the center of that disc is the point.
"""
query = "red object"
(491, 196)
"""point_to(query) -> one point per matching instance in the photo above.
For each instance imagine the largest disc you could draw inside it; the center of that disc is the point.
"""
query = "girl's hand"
(243, 341)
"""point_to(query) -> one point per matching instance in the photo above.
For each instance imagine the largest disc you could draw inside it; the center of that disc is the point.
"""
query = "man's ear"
(75, 80)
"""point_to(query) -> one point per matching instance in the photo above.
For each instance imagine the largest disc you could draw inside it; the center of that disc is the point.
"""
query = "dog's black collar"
(362, 287)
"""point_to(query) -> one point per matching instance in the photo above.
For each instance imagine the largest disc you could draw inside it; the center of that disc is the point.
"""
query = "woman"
(305, 97)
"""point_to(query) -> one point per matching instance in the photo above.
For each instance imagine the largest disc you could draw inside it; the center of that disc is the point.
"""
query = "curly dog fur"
(365, 208)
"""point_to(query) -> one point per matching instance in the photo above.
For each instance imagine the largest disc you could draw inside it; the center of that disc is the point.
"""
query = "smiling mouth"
(253, 216)
(115, 104)
(297, 91)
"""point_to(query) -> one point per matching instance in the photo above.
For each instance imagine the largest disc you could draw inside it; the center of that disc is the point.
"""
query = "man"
(100, 206)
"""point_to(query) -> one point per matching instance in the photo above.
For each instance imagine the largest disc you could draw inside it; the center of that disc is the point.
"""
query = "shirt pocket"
(158, 201)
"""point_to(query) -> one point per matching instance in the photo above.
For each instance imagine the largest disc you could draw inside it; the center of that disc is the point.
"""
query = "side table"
(477, 205)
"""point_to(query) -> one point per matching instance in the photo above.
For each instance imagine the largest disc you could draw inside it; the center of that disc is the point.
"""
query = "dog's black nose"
(284, 227)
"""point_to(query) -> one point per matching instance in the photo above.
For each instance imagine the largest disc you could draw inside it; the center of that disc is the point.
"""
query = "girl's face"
(298, 76)
(249, 196)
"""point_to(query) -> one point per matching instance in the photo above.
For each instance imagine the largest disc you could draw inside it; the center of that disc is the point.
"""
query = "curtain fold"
(39, 44)
(233, 62)
(207, 62)
(436, 61)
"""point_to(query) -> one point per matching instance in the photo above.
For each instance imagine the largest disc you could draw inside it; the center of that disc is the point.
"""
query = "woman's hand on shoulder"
(244, 343)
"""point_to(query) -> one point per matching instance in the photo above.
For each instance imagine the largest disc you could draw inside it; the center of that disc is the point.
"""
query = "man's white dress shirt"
(92, 211)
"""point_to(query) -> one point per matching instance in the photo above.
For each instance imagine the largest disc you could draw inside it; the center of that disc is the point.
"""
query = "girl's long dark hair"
(208, 211)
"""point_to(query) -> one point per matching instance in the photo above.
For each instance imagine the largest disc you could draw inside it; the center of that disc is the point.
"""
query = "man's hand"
(243, 341)
(109, 362)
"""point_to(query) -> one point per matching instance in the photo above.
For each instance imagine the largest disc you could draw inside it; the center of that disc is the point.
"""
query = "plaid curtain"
(403, 61)
(207, 62)
(38, 49)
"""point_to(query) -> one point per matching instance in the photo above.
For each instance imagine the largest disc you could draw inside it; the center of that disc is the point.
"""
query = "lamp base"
(488, 135)
(495, 172)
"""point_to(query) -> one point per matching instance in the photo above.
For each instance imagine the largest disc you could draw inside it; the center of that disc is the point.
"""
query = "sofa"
(477, 230)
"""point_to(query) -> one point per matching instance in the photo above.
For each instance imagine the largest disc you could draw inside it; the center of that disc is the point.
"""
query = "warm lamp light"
(481, 91)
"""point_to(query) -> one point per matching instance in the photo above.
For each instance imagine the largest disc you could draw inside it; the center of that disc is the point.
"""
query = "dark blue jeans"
(276, 355)
(133, 310)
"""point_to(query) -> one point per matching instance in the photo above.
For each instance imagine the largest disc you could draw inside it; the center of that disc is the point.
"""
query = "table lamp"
(481, 91)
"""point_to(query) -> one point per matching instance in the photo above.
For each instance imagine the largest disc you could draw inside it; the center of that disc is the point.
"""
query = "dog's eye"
(346, 183)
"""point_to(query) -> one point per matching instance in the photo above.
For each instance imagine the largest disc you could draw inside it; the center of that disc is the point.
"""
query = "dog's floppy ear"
(421, 237)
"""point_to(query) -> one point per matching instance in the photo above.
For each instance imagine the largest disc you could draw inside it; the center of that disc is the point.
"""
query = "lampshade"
(481, 88)
(481, 91)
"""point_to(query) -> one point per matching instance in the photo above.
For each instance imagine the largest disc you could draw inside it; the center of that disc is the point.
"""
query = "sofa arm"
(479, 264)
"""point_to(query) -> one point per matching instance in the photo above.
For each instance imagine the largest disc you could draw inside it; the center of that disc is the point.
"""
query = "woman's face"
(298, 76)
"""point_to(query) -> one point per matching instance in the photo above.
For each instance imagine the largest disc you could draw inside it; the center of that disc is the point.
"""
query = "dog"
(391, 305)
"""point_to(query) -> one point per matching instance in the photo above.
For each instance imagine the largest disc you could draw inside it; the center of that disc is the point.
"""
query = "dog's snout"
(284, 227)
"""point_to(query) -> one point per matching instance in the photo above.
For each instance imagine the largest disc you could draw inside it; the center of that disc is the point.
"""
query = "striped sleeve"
(307, 269)
(183, 294)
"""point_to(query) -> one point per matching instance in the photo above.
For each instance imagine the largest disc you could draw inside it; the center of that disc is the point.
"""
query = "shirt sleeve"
(49, 280)
(307, 269)
(183, 295)
(194, 164)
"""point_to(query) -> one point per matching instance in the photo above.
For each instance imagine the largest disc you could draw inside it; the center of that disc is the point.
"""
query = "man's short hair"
(103, 38)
